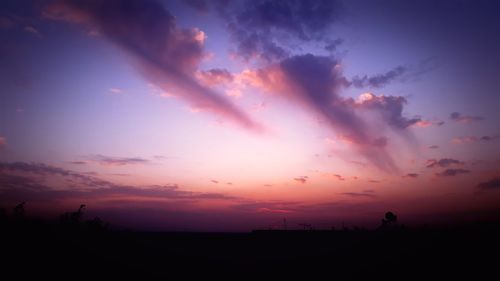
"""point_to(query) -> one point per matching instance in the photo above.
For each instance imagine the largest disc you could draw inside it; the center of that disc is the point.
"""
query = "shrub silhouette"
(19, 212)
(72, 218)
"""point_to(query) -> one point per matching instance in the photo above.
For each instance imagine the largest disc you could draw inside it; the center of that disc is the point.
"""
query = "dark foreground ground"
(43, 250)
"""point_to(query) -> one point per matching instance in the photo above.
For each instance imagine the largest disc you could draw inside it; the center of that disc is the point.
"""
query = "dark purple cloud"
(490, 138)
(491, 184)
(411, 175)
(266, 29)
(166, 55)
(379, 80)
(391, 109)
(32, 182)
(444, 162)
(118, 161)
(332, 45)
(458, 117)
(315, 82)
(452, 172)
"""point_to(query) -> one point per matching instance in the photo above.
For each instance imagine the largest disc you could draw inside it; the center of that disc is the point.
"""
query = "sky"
(234, 115)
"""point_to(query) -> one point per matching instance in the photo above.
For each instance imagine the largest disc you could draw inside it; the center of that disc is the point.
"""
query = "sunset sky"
(232, 115)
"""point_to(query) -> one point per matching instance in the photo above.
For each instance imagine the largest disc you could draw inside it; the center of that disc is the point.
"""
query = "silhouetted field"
(83, 250)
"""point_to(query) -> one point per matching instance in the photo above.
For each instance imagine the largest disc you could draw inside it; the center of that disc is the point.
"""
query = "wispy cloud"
(474, 139)
(494, 183)
(302, 179)
(458, 117)
(452, 172)
(379, 80)
(411, 175)
(369, 194)
(117, 161)
(37, 181)
(443, 162)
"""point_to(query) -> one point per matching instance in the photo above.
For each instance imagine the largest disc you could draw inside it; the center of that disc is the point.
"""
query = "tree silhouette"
(19, 212)
(390, 220)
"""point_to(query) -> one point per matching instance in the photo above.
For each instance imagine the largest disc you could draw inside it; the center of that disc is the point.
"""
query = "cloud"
(411, 175)
(427, 123)
(458, 117)
(164, 54)
(118, 161)
(38, 181)
(332, 45)
(314, 82)
(215, 76)
(465, 140)
(444, 162)
(490, 138)
(474, 139)
(268, 29)
(116, 90)
(378, 81)
(32, 30)
(359, 194)
(390, 107)
(77, 162)
(452, 172)
(433, 146)
(302, 179)
(491, 184)
(339, 177)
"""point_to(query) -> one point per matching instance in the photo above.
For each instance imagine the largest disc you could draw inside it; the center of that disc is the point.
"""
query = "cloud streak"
(314, 82)
(490, 185)
(118, 161)
(452, 172)
(458, 117)
(163, 53)
(36, 182)
(442, 163)
(379, 80)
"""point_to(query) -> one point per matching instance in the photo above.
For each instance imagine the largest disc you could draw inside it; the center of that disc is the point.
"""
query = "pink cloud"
(465, 140)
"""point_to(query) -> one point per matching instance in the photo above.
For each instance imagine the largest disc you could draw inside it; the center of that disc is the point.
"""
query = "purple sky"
(231, 115)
